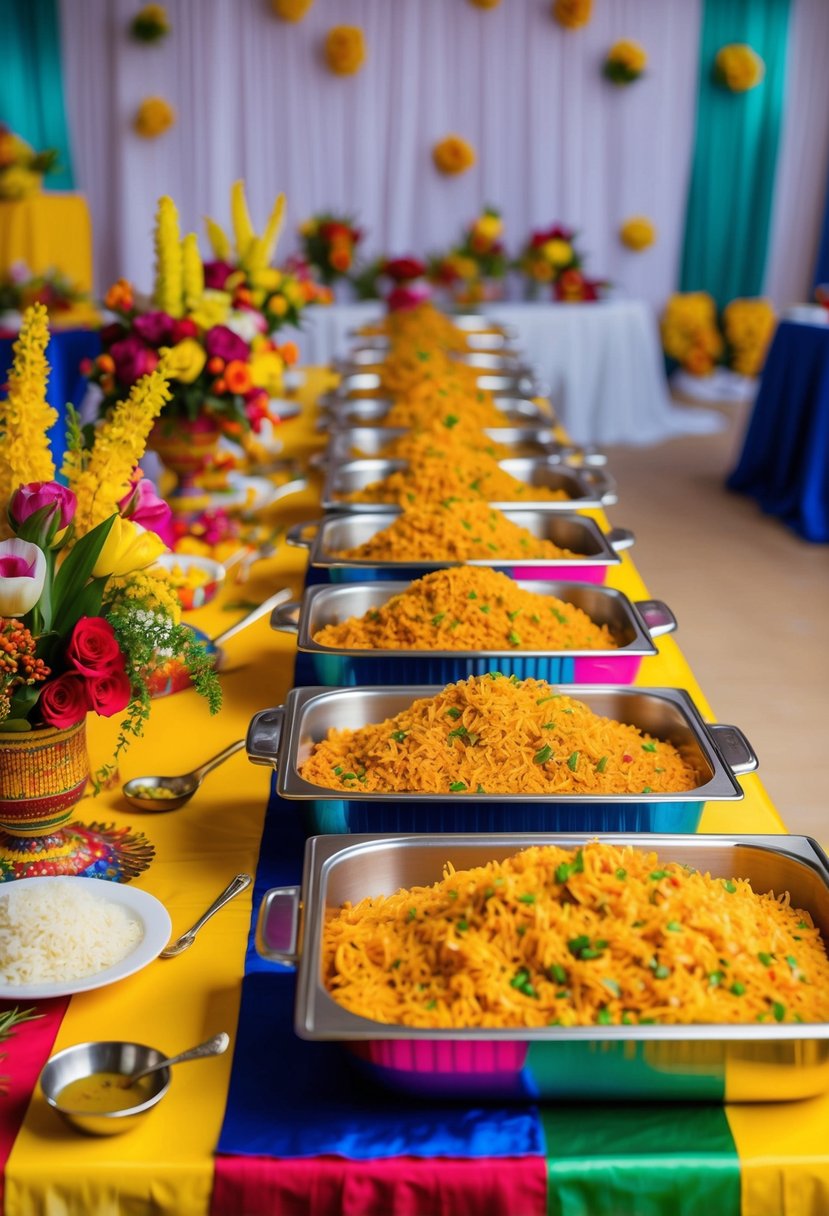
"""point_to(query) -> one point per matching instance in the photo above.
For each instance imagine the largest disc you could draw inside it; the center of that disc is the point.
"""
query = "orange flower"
(119, 298)
(237, 376)
(340, 258)
(215, 365)
(106, 363)
(218, 387)
(290, 353)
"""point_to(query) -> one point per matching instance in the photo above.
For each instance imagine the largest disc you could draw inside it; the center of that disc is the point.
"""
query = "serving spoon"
(138, 791)
(240, 883)
(213, 1047)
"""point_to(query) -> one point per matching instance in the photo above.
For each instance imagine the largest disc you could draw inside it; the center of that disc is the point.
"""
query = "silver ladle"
(138, 790)
(213, 1047)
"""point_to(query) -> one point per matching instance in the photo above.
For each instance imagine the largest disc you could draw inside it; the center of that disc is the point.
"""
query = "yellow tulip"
(266, 372)
(128, 547)
(185, 361)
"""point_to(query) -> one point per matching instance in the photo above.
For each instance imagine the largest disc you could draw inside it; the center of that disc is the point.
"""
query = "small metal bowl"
(83, 1060)
(204, 592)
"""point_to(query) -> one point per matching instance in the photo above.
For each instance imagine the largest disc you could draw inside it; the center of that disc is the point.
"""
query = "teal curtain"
(31, 81)
(735, 154)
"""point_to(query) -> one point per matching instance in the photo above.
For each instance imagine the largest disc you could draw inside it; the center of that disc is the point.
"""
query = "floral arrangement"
(243, 269)
(690, 334)
(19, 289)
(150, 23)
(153, 117)
(290, 10)
(748, 326)
(478, 257)
(453, 154)
(738, 68)
(572, 14)
(625, 62)
(573, 287)
(221, 365)
(637, 232)
(548, 253)
(82, 620)
(345, 49)
(21, 168)
(328, 244)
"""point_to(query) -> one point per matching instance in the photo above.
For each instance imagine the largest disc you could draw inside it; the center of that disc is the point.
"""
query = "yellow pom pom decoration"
(345, 49)
(153, 117)
(290, 10)
(453, 155)
(572, 14)
(637, 232)
(738, 67)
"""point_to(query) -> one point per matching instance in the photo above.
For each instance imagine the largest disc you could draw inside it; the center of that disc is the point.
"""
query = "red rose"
(93, 648)
(63, 701)
(109, 694)
(185, 328)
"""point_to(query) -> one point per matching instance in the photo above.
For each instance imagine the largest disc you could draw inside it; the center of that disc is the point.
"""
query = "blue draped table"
(784, 463)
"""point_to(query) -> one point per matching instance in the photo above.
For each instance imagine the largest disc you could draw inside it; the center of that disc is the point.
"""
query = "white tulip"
(22, 575)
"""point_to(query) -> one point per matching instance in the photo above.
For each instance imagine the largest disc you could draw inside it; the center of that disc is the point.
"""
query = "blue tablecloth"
(785, 459)
(66, 349)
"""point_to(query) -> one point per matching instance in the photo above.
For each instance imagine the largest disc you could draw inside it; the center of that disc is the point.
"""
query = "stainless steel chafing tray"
(493, 339)
(585, 487)
(371, 358)
(338, 412)
(733, 1063)
(469, 322)
(361, 442)
(579, 533)
(368, 384)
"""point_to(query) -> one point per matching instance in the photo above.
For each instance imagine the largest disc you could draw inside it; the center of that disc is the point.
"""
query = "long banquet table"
(756, 1160)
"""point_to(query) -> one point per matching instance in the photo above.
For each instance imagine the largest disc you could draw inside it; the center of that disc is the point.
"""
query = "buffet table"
(784, 463)
(602, 363)
(296, 1131)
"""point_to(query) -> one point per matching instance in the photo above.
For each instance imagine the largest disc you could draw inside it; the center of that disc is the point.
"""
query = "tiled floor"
(752, 602)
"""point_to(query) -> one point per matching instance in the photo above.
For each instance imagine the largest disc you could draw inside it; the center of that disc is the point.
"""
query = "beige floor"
(751, 601)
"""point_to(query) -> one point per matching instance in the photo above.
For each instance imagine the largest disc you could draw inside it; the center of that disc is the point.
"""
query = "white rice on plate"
(61, 932)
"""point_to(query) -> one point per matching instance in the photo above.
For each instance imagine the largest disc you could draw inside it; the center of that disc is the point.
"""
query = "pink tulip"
(143, 506)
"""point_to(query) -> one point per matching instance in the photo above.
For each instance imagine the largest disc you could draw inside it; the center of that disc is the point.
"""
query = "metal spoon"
(138, 790)
(240, 883)
(213, 1047)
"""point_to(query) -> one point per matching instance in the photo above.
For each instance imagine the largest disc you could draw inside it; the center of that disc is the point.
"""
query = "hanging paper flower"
(738, 67)
(345, 49)
(485, 3)
(625, 62)
(572, 14)
(637, 232)
(150, 24)
(153, 117)
(452, 154)
(290, 10)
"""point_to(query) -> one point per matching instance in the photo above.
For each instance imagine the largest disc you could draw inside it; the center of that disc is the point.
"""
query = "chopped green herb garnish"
(453, 713)
(455, 787)
(730, 887)
(436, 620)
(560, 617)
(648, 747)
(661, 972)
(451, 420)
(527, 898)
(431, 1004)
(484, 608)
(412, 913)
(612, 986)
(543, 754)
(621, 874)
(602, 764)
(513, 615)
(572, 762)
(673, 926)
(473, 595)
(779, 1011)
(480, 790)
(544, 700)
(765, 959)
(453, 895)
(558, 974)
(399, 735)
(513, 638)
(738, 989)
(646, 789)
(603, 1017)
(396, 964)
(463, 924)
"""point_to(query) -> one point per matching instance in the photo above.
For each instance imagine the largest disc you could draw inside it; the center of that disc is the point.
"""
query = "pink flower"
(185, 328)
(63, 701)
(155, 328)
(216, 274)
(143, 506)
(224, 343)
(112, 333)
(93, 648)
(132, 360)
(32, 497)
(408, 296)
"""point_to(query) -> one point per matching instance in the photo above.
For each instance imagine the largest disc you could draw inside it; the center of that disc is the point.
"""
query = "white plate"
(236, 494)
(146, 909)
(286, 409)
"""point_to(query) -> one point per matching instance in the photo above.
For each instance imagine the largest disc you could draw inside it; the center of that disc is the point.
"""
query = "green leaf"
(22, 702)
(74, 575)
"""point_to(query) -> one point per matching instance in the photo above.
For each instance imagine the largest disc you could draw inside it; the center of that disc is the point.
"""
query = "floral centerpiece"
(328, 245)
(471, 268)
(547, 254)
(221, 365)
(401, 282)
(20, 288)
(21, 168)
(748, 326)
(83, 620)
(690, 334)
(242, 267)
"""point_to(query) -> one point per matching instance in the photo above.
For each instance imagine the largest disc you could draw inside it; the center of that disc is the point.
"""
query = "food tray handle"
(296, 535)
(264, 735)
(277, 926)
(656, 615)
(617, 538)
(592, 456)
(736, 750)
(285, 617)
(598, 479)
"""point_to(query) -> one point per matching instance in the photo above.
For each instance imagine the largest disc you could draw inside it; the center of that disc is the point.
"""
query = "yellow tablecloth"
(48, 231)
(165, 1165)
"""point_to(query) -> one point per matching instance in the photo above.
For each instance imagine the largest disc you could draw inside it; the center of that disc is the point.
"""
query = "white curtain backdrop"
(555, 141)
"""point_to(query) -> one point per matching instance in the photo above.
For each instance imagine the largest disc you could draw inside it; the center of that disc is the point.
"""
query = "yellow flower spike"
(240, 217)
(192, 272)
(100, 478)
(167, 293)
(25, 416)
(219, 241)
(273, 229)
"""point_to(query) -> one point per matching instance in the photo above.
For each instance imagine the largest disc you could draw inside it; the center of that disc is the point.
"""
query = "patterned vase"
(185, 446)
(43, 775)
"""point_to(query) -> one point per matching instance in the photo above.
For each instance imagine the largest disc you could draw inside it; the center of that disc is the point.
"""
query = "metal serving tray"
(283, 737)
(469, 322)
(732, 1063)
(372, 358)
(585, 487)
(340, 412)
(361, 442)
(494, 339)
(632, 625)
(579, 533)
(368, 384)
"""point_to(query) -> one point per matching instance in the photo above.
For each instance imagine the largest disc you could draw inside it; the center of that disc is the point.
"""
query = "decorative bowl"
(196, 579)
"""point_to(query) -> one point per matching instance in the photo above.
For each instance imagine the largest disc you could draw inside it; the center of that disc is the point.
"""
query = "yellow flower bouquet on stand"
(21, 168)
(690, 334)
(748, 325)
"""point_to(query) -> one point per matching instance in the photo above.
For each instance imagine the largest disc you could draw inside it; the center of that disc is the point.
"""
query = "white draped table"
(602, 362)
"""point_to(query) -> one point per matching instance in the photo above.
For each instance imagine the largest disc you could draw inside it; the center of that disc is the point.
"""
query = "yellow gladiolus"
(268, 278)
(558, 252)
(453, 155)
(345, 49)
(637, 232)
(185, 361)
(212, 310)
(128, 547)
